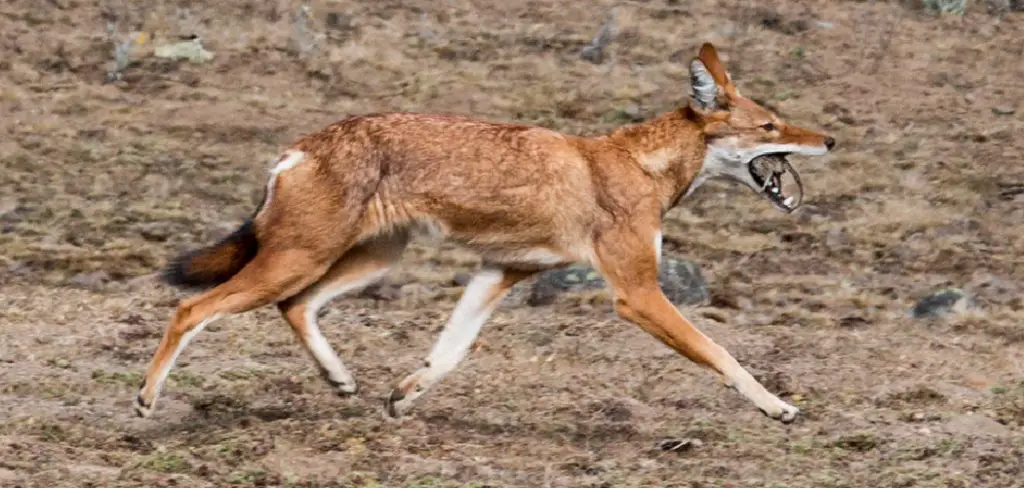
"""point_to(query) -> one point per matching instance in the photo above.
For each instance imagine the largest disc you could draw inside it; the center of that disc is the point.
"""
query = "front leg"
(628, 258)
(481, 297)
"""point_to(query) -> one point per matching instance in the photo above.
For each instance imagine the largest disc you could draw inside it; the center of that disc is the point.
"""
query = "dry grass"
(102, 183)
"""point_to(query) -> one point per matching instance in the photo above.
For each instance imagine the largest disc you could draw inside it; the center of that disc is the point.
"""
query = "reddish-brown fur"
(525, 198)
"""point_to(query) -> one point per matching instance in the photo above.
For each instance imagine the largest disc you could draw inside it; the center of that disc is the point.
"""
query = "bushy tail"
(215, 264)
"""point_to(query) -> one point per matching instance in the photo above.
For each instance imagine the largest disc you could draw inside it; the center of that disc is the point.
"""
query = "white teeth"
(788, 202)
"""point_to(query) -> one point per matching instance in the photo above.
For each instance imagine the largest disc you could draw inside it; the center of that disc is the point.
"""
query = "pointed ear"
(709, 56)
(705, 90)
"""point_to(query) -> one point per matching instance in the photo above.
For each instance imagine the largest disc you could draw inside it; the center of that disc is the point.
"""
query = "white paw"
(341, 381)
(345, 387)
(783, 412)
(401, 398)
(397, 404)
(142, 409)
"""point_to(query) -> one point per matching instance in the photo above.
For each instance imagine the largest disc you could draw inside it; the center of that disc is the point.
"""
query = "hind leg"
(269, 277)
(358, 268)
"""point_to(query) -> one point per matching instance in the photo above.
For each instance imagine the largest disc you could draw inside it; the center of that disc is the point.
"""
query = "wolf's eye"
(769, 127)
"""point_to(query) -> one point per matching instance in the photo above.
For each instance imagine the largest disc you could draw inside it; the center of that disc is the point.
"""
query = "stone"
(680, 445)
(683, 282)
(592, 53)
(461, 278)
(949, 301)
(976, 425)
(190, 50)
(90, 281)
(338, 20)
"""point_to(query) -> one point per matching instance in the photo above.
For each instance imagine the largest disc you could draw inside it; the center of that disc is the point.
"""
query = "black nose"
(830, 143)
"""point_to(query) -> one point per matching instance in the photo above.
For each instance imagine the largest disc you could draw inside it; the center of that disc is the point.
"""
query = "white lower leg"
(743, 382)
(482, 295)
(327, 359)
(143, 407)
(330, 364)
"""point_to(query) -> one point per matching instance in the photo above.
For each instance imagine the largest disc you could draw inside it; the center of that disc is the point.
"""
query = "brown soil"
(103, 183)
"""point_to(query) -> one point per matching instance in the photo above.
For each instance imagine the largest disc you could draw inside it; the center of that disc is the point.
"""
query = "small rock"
(190, 50)
(633, 111)
(592, 53)
(90, 281)
(461, 278)
(338, 20)
(679, 445)
(975, 425)
(1002, 110)
(681, 281)
(945, 302)
(155, 231)
(550, 283)
(62, 363)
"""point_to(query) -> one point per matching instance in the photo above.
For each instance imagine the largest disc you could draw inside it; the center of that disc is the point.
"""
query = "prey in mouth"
(768, 171)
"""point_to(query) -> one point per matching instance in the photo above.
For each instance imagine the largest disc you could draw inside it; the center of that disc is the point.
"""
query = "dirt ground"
(102, 183)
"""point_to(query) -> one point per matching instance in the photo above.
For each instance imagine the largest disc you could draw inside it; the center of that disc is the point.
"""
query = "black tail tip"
(179, 274)
(213, 265)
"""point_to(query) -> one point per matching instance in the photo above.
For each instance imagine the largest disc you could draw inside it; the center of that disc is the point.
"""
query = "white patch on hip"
(286, 161)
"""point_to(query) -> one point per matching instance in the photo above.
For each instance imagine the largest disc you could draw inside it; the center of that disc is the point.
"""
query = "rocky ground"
(107, 173)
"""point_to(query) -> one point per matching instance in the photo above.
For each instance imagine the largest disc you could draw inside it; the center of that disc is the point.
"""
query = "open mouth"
(768, 171)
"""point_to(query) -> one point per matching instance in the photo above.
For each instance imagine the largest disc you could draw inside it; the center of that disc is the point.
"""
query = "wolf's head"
(745, 141)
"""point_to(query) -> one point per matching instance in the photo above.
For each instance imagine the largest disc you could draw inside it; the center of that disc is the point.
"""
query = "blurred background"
(888, 308)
